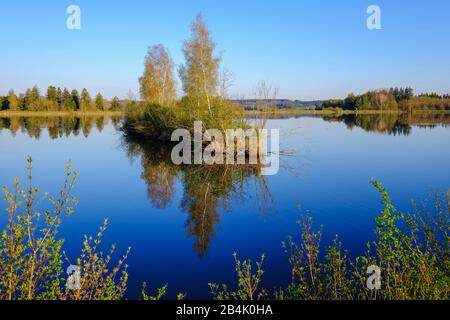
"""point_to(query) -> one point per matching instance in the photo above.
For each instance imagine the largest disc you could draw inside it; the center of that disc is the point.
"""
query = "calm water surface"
(183, 224)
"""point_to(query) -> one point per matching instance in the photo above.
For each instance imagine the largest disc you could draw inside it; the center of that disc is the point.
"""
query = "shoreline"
(343, 112)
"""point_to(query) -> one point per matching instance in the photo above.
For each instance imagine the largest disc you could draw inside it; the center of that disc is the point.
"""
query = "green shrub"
(158, 122)
(31, 255)
(412, 253)
(248, 282)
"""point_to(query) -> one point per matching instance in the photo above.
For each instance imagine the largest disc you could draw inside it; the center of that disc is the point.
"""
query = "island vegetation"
(204, 88)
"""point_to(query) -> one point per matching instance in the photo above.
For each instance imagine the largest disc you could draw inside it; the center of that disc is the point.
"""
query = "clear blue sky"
(310, 49)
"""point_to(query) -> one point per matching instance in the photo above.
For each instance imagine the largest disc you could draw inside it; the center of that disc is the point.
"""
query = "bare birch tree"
(265, 99)
(226, 80)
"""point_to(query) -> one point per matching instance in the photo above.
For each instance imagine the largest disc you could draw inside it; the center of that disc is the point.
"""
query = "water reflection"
(392, 123)
(57, 127)
(207, 190)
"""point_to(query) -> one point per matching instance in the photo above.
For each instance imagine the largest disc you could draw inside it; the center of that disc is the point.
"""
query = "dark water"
(184, 223)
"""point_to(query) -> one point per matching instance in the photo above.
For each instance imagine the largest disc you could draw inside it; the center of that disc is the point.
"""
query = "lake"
(183, 224)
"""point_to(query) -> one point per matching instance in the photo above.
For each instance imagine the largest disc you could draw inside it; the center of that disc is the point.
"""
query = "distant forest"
(57, 99)
(254, 104)
(402, 99)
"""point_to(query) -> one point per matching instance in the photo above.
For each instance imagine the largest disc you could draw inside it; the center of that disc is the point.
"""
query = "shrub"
(412, 253)
(158, 122)
(31, 256)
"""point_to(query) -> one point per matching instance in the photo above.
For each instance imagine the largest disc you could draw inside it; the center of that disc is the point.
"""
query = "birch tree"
(199, 74)
(265, 99)
(158, 85)
(85, 100)
(13, 101)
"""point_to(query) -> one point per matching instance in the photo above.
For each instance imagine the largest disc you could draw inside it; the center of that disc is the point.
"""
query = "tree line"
(392, 99)
(435, 95)
(57, 99)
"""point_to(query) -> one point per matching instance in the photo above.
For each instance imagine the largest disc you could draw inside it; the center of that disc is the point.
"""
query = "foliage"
(412, 267)
(55, 99)
(98, 282)
(427, 103)
(389, 100)
(85, 100)
(160, 114)
(161, 293)
(31, 256)
(412, 252)
(99, 102)
(158, 122)
(115, 104)
(248, 282)
(199, 74)
(371, 100)
(158, 85)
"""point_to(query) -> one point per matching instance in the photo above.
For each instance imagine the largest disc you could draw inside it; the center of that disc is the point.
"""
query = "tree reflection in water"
(207, 190)
(392, 123)
(57, 127)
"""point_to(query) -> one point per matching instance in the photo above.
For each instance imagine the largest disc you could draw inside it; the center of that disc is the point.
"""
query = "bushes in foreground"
(31, 254)
(412, 252)
(414, 264)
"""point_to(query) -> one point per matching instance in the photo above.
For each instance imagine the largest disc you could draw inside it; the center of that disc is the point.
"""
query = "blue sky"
(310, 49)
